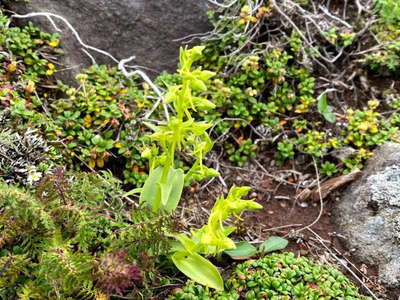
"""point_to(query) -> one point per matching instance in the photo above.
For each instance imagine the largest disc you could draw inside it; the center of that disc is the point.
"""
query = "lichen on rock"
(368, 216)
(385, 186)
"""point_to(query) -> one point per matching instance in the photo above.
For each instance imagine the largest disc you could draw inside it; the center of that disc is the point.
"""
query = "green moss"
(278, 277)
(73, 239)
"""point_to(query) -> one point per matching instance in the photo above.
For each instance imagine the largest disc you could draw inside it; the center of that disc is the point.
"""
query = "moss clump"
(72, 238)
(278, 277)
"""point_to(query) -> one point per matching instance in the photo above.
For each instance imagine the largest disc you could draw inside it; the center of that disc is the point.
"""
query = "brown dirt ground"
(282, 216)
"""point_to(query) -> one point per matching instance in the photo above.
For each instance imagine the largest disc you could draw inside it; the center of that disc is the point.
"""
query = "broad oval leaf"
(273, 243)
(244, 250)
(151, 194)
(160, 195)
(322, 104)
(198, 269)
(176, 178)
(325, 109)
(330, 117)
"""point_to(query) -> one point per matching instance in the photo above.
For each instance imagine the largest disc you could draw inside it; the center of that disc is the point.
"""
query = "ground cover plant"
(72, 237)
(268, 96)
(277, 276)
(267, 83)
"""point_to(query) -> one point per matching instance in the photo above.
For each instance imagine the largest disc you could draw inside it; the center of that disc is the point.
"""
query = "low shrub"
(280, 276)
(387, 32)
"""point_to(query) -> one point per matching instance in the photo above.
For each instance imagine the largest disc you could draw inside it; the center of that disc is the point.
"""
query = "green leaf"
(132, 192)
(72, 145)
(198, 269)
(204, 75)
(322, 104)
(176, 246)
(151, 126)
(330, 117)
(273, 243)
(108, 144)
(97, 140)
(186, 242)
(163, 195)
(244, 250)
(203, 103)
(199, 85)
(325, 109)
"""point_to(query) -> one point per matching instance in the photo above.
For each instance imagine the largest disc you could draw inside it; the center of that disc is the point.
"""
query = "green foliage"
(91, 124)
(162, 190)
(243, 250)
(198, 269)
(388, 59)
(73, 238)
(212, 239)
(387, 31)
(389, 10)
(366, 127)
(314, 143)
(95, 125)
(341, 39)
(278, 276)
(273, 243)
(325, 109)
(328, 168)
(96, 122)
(26, 47)
(286, 150)
(26, 67)
(259, 87)
(246, 250)
(247, 149)
(273, 88)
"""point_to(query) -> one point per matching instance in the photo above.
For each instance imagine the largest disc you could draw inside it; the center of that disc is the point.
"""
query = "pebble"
(303, 251)
(303, 204)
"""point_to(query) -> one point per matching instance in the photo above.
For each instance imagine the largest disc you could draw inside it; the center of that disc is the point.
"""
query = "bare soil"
(283, 216)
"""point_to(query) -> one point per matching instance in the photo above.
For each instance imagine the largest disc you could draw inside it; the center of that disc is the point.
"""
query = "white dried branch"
(326, 11)
(214, 2)
(121, 66)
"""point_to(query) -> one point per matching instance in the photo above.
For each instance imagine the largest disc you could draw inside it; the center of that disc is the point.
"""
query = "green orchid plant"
(163, 188)
(211, 239)
(181, 132)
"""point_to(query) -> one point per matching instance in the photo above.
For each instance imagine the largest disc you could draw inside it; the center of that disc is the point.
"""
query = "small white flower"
(33, 176)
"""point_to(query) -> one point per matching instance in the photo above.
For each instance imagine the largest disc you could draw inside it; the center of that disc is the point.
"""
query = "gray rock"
(144, 28)
(369, 214)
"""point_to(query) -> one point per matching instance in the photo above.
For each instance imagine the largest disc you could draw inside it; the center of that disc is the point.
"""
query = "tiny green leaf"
(244, 250)
(325, 109)
(273, 243)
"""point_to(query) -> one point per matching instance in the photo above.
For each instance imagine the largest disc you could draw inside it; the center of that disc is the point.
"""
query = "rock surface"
(369, 214)
(144, 28)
